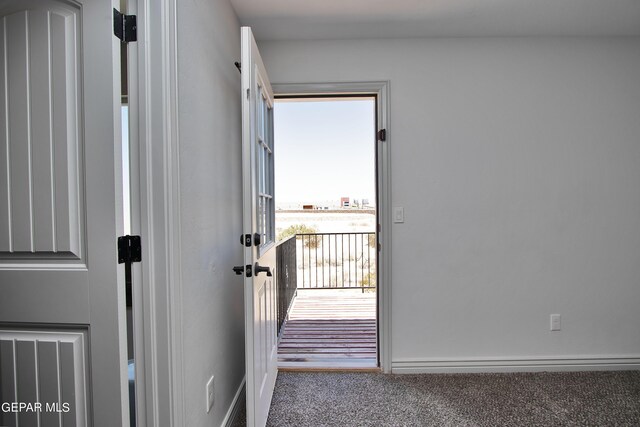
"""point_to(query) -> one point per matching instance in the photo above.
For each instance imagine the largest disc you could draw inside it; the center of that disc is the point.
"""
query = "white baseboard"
(528, 364)
(236, 404)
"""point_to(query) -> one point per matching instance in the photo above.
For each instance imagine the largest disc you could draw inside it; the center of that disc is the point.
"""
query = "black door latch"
(240, 269)
(259, 269)
(248, 240)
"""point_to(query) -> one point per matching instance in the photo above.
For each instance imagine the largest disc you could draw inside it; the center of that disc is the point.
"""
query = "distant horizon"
(331, 203)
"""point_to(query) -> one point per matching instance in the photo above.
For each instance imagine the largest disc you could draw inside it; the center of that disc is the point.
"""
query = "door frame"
(379, 89)
(153, 59)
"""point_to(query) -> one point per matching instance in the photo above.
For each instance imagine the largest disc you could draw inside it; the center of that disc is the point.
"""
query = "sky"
(324, 150)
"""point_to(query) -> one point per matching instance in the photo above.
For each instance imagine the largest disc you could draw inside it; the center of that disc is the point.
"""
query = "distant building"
(308, 207)
(345, 202)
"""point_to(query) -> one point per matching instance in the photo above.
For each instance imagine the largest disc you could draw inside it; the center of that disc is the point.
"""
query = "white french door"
(62, 305)
(259, 232)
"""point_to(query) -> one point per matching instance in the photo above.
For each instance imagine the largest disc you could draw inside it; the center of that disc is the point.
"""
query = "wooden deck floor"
(330, 329)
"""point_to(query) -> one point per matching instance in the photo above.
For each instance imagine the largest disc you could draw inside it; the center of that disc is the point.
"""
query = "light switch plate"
(398, 215)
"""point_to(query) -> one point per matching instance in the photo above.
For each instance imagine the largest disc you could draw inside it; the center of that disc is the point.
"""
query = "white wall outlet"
(209, 396)
(398, 215)
(556, 322)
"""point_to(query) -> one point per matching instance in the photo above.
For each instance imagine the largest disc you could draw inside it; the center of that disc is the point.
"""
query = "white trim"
(145, 333)
(381, 90)
(236, 405)
(172, 210)
(140, 332)
(337, 88)
(162, 327)
(520, 364)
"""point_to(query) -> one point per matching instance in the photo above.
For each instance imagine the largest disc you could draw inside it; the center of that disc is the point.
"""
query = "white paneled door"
(259, 232)
(61, 290)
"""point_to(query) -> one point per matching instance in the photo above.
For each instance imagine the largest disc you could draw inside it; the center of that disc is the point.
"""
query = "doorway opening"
(327, 231)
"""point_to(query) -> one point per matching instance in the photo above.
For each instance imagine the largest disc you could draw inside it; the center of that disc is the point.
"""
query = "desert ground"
(329, 221)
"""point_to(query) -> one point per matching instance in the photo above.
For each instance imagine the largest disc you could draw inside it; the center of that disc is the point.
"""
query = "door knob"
(259, 269)
(240, 269)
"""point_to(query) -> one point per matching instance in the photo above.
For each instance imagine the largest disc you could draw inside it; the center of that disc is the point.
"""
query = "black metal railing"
(336, 260)
(323, 261)
(286, 277)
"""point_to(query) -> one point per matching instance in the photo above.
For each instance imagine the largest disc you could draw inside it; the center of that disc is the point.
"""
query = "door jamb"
(159, 200)
(381, 90)
(138, 303)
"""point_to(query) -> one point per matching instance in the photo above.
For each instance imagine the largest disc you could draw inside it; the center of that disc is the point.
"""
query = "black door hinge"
(238, 66)
(129, 249)
(125, 27)
(382, 135)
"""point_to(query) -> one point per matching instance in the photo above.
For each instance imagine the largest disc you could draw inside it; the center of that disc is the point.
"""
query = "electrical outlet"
(209, 395)
(556, 324)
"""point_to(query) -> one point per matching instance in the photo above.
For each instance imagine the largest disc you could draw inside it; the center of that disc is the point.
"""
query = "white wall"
(210, 197)
(517, 161)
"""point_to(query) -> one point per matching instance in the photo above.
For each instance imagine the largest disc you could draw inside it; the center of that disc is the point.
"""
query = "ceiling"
(332, 19)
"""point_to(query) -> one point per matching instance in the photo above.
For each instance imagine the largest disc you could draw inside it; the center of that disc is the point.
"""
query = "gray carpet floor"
(515, 399)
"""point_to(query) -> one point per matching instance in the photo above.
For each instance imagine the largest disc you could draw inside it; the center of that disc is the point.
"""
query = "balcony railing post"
(286, 276)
